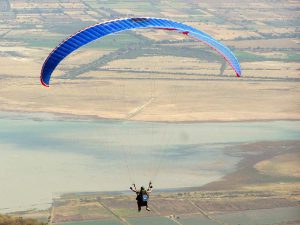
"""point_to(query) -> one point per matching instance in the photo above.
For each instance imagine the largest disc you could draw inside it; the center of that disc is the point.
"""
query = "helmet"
(142, 188)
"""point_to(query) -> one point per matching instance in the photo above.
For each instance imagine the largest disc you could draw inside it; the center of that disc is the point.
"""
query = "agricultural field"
(266, 47)
(206, 207)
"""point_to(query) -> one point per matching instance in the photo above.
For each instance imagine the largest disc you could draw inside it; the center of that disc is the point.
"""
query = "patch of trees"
(9, 220)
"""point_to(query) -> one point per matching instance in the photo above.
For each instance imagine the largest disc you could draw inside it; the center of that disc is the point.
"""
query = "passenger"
(142, 196)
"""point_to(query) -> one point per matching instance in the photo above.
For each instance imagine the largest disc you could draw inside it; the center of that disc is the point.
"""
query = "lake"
(42, 155)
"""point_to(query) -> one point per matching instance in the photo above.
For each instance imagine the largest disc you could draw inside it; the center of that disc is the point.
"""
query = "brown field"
(19, 67)
(224, 32)
(247, 177)
(282, 165)
(271, 69)
(184, 100)
(81, 57)
(75, 210)
(271, 43)
(222, 100)
(154, 63)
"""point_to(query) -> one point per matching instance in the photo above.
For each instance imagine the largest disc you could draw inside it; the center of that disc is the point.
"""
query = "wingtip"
(43, 83)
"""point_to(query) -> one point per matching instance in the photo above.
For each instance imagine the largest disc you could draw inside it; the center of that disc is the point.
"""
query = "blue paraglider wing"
(100, 30)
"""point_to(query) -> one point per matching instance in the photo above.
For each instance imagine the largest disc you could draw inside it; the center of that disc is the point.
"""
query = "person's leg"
(147, 208)
(139, 207)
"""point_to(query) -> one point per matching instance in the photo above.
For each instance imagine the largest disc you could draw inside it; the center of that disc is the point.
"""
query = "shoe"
(147, 209)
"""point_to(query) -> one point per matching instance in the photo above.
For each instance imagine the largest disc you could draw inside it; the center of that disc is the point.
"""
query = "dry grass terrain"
(114, 77)
(282, 165)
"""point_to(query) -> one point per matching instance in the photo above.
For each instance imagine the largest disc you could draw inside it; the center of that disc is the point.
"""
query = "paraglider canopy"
(100, 30)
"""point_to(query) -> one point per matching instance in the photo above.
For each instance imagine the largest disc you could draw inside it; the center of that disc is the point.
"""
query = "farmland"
(267, 49)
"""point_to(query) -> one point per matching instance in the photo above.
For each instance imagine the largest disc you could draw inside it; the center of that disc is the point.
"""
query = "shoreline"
(212, 185)
(228, 182)
(45, 116)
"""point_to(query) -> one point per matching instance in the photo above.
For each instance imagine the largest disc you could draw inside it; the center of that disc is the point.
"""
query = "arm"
(133, 188)
(149, 190)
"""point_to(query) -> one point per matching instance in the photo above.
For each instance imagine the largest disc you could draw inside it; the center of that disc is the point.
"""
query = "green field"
(197, 220)
(262, 216)
(94, 222)
(151, 221)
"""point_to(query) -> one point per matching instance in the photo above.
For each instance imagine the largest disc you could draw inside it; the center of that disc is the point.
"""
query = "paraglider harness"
(142, 198)
(142, 195)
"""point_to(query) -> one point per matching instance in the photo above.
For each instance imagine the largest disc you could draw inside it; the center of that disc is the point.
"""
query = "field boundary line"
(176, 221)
(207, 215)
(121, 219)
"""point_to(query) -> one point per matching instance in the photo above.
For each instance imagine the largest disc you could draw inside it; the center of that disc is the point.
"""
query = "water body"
(41, 156)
